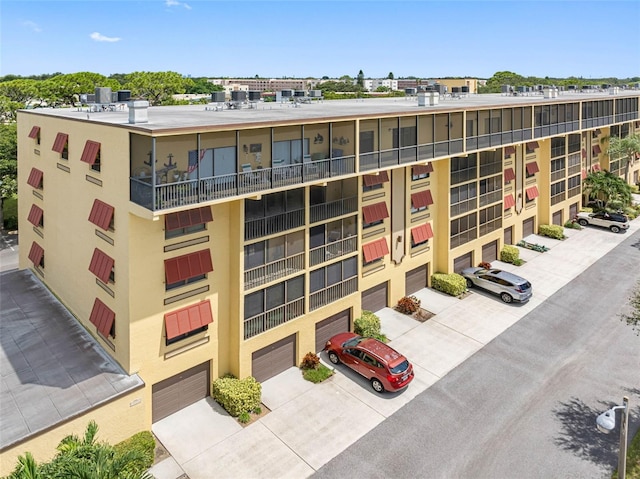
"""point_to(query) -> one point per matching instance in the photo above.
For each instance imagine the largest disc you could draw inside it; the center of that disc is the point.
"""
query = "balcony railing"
(491, 197)
(275, 317)
(332, 293)
(332, 209)
(256, 228)
(332, 250)
(272, 271)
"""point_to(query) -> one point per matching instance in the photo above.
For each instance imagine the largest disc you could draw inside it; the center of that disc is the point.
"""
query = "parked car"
(508, 286)
(383, 366)
(616, 222)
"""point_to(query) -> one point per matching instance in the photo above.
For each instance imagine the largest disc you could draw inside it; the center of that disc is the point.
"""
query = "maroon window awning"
(35, 215)
(532, 168)
(36, 254)
(190, 318)
(375, 250)
(184, 219)
(421, 233)
(421, 199)
(376, 212)
(188, 266)
(101, 214)
(371, 180)
(509, 150)
(90, 152)
(509, 175)
(102, 317)
(422, 169)
(101, 265)
(35, 178)
(532, 192)
(509, 201)
(35, 131)
(61, 141)
(532, 145)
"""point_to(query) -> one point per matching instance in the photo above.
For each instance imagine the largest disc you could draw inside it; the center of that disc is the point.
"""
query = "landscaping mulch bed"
(422, 315)
(255, 417)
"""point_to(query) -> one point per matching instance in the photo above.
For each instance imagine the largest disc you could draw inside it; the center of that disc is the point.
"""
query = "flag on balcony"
(194, 160)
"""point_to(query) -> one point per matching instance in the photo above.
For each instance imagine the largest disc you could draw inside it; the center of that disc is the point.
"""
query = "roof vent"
(138, 111)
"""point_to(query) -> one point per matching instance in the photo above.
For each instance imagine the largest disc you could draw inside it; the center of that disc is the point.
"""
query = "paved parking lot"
(310, 424)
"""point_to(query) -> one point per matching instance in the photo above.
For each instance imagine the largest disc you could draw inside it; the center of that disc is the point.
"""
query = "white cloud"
(32, 25)
(176, 3)
(98, 37)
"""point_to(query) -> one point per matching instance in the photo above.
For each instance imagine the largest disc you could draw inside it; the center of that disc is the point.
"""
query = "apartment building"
(265, 84)
(192, 243)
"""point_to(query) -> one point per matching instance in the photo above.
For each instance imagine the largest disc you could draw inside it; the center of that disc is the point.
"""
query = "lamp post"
(606, 422)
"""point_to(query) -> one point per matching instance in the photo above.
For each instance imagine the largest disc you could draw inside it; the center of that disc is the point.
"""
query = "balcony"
(333, 209)
(157, 196)
(333, 293)
(270, 272)
(333, 250)
(259, 227)
(272, 318)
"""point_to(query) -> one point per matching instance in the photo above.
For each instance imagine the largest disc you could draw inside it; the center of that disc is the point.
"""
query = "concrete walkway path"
(309, 424)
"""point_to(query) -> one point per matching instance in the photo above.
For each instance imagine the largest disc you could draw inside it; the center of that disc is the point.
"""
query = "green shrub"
(244, 417)
(257, 410)
(551, 231)
(573, 225)
(237, 395)
(10, 212)
(367, 325)
(509, 254)
(318, 374)
(408, 304)
(310, 361)
(144, 444)
(518, 262)
(452, 284)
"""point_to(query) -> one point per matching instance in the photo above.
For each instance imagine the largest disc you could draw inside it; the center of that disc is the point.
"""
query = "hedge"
(509, 254)
(367, 325)
(237, 395)
(144, 444)
(452, 284)
(551, 231)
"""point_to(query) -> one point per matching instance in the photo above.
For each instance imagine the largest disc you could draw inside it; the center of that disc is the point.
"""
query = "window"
(274, 249)
(35, 134)
(463, 230)
(102, 215)
(91, 154)
(420, 172)
(187, 321)
(375, 250)
(490, 163)
(557, 146)
(574, 143)
(463, 168)
(509, 150)
(532, 193)
(35, 178)
(36, 216)
(333, 274)
(372, 182)
(374, 214)
(557, 192)
(420, 201)
(557, 169)
(187, 269)
(186, 222)
(421, 234)
(102, 266)
(61, 145)
(103, 319)
(490, 190)
(532, 169)
(490, 219)
(532, 146)
(273, 297)
(463, 198)
(36, 255)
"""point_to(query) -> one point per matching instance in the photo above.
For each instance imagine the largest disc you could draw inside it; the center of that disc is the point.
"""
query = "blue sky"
(430, 39)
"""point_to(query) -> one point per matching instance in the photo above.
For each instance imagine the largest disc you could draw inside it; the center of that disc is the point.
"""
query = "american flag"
(194, 160)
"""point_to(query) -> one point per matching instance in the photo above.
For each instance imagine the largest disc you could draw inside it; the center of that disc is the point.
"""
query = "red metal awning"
(375, 250)
(509, 201)
(102, 317)
(187, 319)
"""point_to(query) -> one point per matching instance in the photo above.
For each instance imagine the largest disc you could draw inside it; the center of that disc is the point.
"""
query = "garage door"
(338, 323)
(508, 235)
(416, 279)
(573, 211)
(274, 359)
(490, 252)
(527, 227)
(179, 391)
(462, 262)
(557, 218)
(374, 299)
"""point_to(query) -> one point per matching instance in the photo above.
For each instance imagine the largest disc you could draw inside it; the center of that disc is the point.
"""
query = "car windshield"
(400, 368)
(352, 342)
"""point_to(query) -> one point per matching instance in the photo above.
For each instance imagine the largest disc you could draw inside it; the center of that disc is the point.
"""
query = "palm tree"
(605, 186)
(27, 468)
(627, 148)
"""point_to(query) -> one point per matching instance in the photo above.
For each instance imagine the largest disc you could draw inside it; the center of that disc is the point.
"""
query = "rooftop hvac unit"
(84, 98)
(464, 89)
(410, 91)
(124, 95)
(455, 89)
(505, 89)
(217, 96)
(91, 98)
(254, 95)
(299, 93)
(103, 95)
(238, 95)
(315, 93)
(286, 93)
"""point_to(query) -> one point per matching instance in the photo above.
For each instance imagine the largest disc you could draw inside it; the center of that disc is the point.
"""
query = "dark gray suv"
(508, 286)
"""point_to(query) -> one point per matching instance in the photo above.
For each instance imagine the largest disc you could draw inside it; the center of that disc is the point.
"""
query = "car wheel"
(469, 283)
(615, 229)
(583, 222)
(506, 297)
(377, 385)
(333, 357)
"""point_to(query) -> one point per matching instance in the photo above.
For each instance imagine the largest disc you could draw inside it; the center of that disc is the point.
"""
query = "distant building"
(374, 84)
(264, 84)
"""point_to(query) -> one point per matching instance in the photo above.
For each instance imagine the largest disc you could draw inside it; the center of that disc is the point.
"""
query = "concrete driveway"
(309, 424)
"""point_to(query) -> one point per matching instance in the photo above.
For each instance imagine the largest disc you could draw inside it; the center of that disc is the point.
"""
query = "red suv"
(386, 368)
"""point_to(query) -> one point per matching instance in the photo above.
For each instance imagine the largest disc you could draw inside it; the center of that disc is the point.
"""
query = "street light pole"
(606, 423)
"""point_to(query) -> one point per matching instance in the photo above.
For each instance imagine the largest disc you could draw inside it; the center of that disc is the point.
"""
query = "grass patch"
(633, 459)
(318, 374)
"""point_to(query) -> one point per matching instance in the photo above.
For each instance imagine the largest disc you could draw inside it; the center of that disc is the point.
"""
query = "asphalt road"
(525, 405)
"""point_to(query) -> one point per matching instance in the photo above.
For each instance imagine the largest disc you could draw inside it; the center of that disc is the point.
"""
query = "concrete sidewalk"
(309, 424)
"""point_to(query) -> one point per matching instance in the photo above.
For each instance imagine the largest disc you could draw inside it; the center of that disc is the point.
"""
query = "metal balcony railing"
(275, 270)
(272, 318)
(332, 250)
(332, 293)
(256, 228)
(333, 209)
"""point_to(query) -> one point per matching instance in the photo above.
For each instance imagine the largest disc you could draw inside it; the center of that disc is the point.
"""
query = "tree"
(607, 187)
(627, 148)
(156, 87)
(66, 89)
(633, 317)
(360, 80)
(390, 76)
(8, 164)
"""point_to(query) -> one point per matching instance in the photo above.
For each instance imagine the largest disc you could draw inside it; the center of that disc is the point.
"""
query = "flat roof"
(51, 368)
(207, 117)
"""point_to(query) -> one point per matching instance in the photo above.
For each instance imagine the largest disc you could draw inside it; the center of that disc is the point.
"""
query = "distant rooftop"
(194, 116)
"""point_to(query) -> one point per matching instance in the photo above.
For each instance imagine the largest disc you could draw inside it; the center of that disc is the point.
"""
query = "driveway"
(8, 250)
(308, 425)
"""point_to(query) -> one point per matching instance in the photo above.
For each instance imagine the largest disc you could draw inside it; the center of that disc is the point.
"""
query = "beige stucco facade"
(333, 161)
